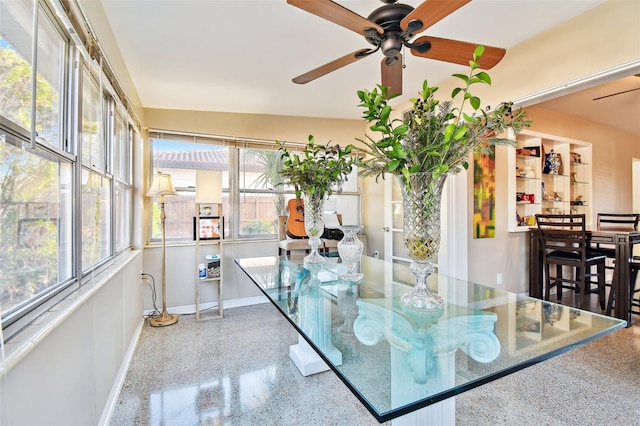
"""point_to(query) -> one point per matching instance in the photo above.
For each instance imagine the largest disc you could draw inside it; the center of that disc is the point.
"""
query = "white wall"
(182, 274)
(66, 373)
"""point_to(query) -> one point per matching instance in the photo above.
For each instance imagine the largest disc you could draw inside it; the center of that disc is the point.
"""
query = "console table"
(405, 365)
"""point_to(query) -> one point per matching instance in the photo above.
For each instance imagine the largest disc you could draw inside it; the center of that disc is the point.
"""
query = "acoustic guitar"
(295, 223)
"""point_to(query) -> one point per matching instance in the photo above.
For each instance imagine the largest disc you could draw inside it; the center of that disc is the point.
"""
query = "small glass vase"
(313, 225)
(421, 214)
(350, 250)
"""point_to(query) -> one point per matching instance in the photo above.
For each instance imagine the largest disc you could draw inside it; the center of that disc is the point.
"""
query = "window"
(124, 137)
(16, 40)
(181, 160)
(59, 214)
(50, 83)
(16, 71)
(95, 218)
(35, 224)
(262, 193)
(251, 203)
(91, 131)
(95, 214)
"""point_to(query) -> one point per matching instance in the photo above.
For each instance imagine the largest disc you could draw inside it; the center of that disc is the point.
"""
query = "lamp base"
(163, 320)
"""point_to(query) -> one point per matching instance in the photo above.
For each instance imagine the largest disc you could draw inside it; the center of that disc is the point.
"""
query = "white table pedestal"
(423, 354)
(315, 321)
(441, 413)
(306, 359)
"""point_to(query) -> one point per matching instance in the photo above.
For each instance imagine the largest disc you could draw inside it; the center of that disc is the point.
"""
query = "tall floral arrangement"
(434, 136)
(430, 141)
(316, 172)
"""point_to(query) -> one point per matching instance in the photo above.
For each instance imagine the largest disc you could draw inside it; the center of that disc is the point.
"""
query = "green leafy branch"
(318, 168)
(434, 137)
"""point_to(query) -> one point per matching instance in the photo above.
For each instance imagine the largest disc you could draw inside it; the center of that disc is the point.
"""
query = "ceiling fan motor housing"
(389, 17)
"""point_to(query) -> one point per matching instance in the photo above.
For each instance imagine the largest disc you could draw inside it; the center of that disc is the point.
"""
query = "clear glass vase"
(421, 214)
(313, 225)
(347, 306)
(350, 250)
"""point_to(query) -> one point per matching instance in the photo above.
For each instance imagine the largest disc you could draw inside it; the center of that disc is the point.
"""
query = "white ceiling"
(615, 104)
(240, 56)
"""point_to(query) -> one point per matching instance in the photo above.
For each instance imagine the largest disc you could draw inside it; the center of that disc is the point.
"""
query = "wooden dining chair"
(564, 243)
(634, 291)
(613, 222)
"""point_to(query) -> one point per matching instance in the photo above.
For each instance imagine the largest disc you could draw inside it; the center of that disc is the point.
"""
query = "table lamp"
(162, 186)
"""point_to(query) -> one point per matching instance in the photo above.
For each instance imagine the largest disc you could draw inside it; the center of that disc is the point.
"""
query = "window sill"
(28, 338)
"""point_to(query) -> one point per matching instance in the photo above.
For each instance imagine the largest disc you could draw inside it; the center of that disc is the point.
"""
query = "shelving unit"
(533, 191)
(214, 273)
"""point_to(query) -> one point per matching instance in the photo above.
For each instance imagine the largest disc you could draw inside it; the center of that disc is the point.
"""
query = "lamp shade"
(161, 185)
(208, 187)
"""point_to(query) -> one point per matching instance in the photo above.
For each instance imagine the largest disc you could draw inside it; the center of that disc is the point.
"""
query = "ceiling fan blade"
(392, 74)
(458, 52)
(431, 12)
(332, 66)
(337, 14)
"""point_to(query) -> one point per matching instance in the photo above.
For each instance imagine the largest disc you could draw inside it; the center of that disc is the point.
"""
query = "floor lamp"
(160, 187)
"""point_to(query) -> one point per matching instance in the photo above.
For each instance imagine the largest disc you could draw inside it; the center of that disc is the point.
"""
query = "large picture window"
(252, 202)
(66, 178)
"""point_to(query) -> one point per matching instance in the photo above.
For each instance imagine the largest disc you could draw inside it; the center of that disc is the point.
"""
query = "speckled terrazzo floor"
(236, 371)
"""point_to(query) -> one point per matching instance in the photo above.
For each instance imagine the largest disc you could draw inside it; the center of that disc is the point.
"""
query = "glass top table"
(397, 361)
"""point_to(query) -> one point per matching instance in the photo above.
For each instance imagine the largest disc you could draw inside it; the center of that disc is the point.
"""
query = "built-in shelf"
(550, 193)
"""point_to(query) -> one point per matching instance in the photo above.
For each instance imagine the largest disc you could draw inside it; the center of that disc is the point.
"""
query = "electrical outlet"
(376, 254)
(499, 278)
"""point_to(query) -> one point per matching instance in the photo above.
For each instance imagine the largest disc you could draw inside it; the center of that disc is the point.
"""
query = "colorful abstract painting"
(484, 194)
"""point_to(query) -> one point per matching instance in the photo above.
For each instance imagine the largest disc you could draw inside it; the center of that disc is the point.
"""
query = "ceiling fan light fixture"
(391, 45)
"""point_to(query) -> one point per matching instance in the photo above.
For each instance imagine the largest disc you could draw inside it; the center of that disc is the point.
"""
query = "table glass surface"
(395, 360)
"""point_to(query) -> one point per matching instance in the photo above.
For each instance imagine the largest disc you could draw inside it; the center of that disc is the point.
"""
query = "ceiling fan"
(390, 28)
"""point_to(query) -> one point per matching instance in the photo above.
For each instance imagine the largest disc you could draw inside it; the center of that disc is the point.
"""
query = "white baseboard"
(228, 304)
